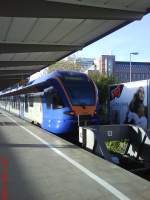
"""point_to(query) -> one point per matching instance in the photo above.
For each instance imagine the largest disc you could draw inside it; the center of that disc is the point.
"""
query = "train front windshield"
(81, 91)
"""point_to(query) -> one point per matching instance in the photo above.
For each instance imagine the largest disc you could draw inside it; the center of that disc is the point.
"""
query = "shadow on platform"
(13, 123)
(8, 145)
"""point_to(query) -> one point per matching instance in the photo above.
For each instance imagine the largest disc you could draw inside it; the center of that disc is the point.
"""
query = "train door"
(52, 110)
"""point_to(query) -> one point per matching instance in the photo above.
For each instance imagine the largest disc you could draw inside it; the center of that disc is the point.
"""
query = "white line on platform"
(93, 176)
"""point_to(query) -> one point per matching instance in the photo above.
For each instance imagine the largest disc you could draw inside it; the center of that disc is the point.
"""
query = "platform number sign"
(109, 133)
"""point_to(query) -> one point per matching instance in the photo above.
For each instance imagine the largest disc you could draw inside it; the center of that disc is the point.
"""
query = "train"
(58, 102)
(129, 103)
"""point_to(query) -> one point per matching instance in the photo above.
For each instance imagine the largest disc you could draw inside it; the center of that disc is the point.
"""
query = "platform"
(35, 165)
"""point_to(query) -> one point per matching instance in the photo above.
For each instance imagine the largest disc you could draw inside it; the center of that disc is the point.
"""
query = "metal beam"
(21, 47)
(24, 63)
(2, 79)
(9, 76)
(45, 9)
(4, 84)
(16, 72)
(14, 75)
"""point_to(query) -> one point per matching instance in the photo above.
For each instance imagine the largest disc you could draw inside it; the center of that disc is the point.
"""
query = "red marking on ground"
(4, 178)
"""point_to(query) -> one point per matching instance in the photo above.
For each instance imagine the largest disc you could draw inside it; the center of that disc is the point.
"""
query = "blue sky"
(134, 37)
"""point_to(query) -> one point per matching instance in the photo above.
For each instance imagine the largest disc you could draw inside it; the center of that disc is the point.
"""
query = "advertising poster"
(128, 103)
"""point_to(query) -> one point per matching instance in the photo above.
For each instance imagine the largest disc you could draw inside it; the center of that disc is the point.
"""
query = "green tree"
(65, 65)
(103, 82)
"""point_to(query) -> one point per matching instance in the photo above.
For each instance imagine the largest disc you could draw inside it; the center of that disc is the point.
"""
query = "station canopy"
(37, 33)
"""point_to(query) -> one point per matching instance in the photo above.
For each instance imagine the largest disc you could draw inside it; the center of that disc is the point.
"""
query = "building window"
(134, 76)
(125, 76)
(139, 76)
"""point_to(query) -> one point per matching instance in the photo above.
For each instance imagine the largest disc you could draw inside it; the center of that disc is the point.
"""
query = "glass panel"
(57, 101)
(26, 103)
(81, 91)
(48, 99)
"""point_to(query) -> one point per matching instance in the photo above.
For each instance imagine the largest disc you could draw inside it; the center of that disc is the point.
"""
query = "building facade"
(139, 71)
(121, 69)
(106, 64)
(85, 62)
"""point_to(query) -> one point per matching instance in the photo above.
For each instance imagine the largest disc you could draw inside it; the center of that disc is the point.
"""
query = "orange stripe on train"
(84, 110)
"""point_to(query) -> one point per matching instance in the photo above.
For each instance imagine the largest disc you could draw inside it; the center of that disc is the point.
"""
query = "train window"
(57, 101)
(84, 95)
(36, 99)
(14, 102)
(26, 103)
(31, 101)
(18, 103)
(13, 99)
(53, 100)
(48, 98)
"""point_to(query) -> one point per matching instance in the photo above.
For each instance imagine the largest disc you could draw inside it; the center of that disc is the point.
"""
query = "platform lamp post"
(133, 53)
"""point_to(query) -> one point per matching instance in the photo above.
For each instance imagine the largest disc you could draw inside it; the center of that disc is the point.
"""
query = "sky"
(134, 37)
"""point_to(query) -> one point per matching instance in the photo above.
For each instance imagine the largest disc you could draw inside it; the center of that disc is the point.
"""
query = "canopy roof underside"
(37, 33)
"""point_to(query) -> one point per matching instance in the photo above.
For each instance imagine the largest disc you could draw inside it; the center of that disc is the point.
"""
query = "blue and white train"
(58, 102)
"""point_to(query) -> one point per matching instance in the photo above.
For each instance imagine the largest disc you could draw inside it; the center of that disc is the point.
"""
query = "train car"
(58, 102)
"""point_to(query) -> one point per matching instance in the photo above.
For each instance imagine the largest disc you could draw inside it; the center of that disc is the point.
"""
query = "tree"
(103, 82)
(65, 65)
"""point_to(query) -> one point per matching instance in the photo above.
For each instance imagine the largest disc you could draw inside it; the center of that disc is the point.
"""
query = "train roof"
(58, 73)
(40, 81)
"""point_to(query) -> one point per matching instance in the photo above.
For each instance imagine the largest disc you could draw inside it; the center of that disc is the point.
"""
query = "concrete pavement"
(36, 165)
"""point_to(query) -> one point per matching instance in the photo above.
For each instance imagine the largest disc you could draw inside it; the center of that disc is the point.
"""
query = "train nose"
(84, 110)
